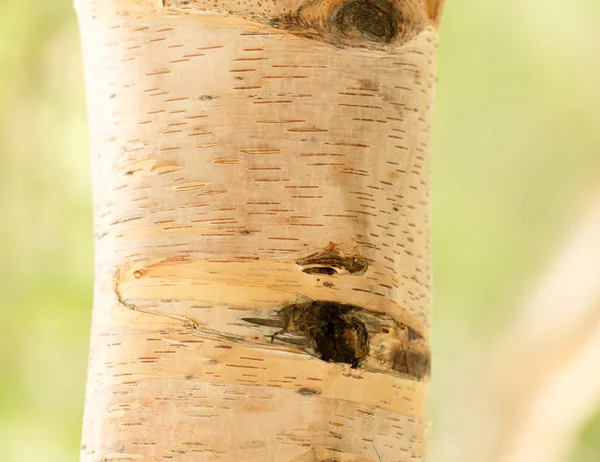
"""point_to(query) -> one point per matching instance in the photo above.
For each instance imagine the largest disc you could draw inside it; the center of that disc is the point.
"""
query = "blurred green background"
(517, 141)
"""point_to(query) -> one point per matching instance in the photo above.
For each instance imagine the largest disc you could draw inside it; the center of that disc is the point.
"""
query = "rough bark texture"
(261, 203)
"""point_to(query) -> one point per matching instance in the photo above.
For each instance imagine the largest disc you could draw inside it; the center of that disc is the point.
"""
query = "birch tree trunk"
(261, 223)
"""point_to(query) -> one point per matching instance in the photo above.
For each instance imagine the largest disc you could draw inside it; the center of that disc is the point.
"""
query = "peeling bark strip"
(262, 232)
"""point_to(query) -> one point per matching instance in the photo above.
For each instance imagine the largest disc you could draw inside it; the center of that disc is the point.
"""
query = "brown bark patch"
(412, 362)
(332, 261)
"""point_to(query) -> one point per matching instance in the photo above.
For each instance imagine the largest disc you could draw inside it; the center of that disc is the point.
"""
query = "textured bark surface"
(261, 203)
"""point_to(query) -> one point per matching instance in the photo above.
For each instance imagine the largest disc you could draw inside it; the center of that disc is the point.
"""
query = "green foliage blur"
(517, 141)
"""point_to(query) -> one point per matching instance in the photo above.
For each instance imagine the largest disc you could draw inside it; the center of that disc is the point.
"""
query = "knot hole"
(371, 20)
